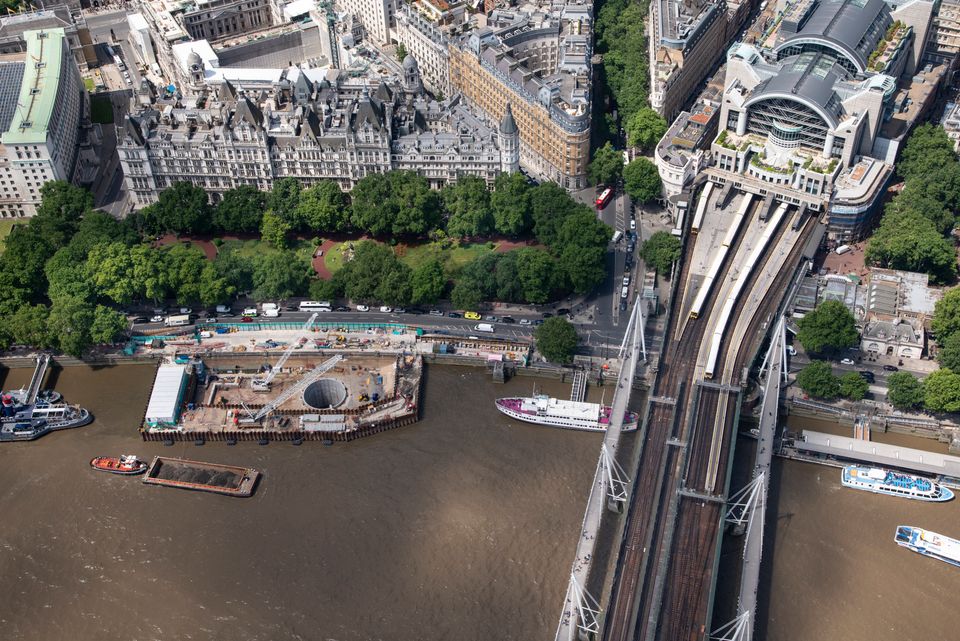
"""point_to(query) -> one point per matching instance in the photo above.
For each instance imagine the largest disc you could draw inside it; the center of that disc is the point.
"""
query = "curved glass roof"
(809, 79)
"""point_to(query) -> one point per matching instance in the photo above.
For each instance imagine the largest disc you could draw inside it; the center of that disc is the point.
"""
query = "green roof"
(38, 92)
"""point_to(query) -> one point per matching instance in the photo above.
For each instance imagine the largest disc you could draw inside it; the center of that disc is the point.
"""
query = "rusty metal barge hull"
(202, 477)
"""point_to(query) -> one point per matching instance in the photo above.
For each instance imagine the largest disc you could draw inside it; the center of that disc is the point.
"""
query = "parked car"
(416, 311)
(250, 311)
(399, 310)
(455, 315)
(563, 311)
(385, 309)
(526, 321)
(247, 319)
(547, 314)
(633, 225)
(137, 319)
(186, 310)
(847, 361)
(157, 318)
(791, 350)
(891, 368)
(867, 376)
(623, 304)
(341, 308)
(626, 279)
(472, 316)
(363, 308)
(436, 312)
(538, 322)
(491, 318)
(508, 320)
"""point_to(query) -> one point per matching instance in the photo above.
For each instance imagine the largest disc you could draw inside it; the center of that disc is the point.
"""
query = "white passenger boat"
(875, 479)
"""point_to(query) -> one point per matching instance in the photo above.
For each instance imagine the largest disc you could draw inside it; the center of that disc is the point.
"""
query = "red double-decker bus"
(604, 198)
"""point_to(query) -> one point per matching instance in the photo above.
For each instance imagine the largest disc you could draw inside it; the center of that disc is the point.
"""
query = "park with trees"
(67, 271)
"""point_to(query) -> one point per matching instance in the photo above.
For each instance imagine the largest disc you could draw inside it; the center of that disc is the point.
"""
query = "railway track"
(655, 478)
(687, 596)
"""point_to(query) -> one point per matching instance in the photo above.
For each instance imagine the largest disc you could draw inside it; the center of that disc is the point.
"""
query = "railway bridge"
(675, 490)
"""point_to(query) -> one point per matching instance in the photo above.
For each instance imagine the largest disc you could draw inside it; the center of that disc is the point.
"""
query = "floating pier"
(203, 477)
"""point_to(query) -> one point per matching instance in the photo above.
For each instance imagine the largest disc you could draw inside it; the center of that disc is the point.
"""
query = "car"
(472, 316)
(867, 376)
(416, 311)
(629, 262)
(436, 312)
(363, 308)
(491, 318)
(399, 310)
(246, 319)
(791, 350)
(159, 312)
(157, 318)
(210, 319)
(891, 368)
(341, 308)
(631, 247)
(623, 305)
(455, 315)
(633, 225)
(186, 310)
(846, 361)
(508, 320)
(222, 309)
(292, 308)
(563, 311)
(526, 321)
(137, 319)
(250, 311)
(538, 322)
(385, 309)
(547, 314)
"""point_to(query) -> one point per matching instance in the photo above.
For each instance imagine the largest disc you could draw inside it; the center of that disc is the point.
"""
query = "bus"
(604, 198)
(315, 306)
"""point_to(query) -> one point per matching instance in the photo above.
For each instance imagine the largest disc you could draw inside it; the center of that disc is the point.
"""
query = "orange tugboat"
(126, 464)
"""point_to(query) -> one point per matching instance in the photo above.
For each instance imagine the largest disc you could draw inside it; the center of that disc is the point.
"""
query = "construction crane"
(289, 393)
(263, 384)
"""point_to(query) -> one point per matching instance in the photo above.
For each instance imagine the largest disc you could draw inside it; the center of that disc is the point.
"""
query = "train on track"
(721, 254)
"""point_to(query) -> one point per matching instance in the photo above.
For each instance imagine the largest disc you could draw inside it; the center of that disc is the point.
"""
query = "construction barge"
(324, 397)
(203, 477)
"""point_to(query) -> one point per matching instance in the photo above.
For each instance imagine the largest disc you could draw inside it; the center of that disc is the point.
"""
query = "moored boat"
(875, 479)
(929, 543)
(126, 464)
(21, 421)
(555, 412)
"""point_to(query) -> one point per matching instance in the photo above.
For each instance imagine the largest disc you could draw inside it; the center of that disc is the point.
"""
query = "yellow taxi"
(471, 315)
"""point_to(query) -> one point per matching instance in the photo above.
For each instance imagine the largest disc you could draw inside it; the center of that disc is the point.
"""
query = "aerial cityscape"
(581, 320)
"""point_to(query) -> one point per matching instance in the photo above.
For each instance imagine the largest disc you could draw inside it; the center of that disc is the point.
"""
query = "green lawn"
(250, 249)
(6, 225)
(452, 257)
(101, 110)
(89, 85)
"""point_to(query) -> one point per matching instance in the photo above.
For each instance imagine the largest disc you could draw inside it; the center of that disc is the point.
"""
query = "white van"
(270, 310)
(624, 292)
(250, 311)
(224, 309)
(843, 249)
(176, 321)
(617, 235)
(484, 327)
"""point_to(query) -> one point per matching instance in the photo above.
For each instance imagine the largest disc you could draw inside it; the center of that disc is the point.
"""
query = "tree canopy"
(645, 128)
(904, 391)
(240, 210)
(399, 203)
(511, 204)
(556, 340)
(660, 251)
(621, 40)
(323, 208)
(279, 275)
(941, 391)
(949, 354)
(468, 204)
(853, 386)
(606, 166)
(927, 148)
(817, 379)
(182, 208)
(642, 180)
(375, 275)
(946, 316)
(828, 328)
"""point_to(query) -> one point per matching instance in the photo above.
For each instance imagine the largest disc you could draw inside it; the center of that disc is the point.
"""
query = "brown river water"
(461, 526)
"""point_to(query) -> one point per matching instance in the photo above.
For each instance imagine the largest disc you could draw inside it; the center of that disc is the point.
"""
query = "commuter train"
(727, 310)
(701, 208)
(721, 254)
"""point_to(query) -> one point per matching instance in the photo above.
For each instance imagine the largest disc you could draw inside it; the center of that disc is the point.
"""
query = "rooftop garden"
(757, 160)
(888, 46)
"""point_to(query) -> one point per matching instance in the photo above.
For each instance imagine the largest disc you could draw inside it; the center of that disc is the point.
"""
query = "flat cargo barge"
(205, 477)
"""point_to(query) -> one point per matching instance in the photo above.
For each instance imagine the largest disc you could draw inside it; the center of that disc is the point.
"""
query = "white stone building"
(42, 104)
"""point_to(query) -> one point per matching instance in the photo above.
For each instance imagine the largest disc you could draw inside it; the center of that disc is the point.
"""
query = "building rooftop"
(897, 329)
(915, 297)
(843, 26)
(38, 91)
(808, 77)
(11, 76)
(692, 130)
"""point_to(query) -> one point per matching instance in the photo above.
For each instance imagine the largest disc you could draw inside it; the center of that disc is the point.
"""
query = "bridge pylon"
(615, 480)
(586, 609)
(743, 506)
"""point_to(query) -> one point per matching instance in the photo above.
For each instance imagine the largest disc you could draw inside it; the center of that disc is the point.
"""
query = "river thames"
(461, 526)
